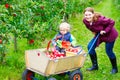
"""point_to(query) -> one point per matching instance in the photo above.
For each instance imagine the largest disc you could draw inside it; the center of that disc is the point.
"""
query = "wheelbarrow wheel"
(76, 75)
(28, 75)
(52, 78)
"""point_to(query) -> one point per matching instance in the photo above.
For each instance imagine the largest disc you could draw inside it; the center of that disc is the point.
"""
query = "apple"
(0, 41)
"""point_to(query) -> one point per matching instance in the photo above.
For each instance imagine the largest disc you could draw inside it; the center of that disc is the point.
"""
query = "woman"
(97, 23)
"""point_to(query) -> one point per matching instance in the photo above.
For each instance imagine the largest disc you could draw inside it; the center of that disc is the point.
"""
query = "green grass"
(15, 62)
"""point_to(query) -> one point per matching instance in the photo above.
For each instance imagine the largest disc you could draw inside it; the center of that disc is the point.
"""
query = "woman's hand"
(102, 32)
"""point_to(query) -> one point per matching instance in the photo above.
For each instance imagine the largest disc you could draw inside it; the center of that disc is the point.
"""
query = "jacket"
(66, 37)
(105, 24)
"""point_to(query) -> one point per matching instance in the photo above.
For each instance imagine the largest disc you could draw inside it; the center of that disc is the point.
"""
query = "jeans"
(62, 50)
(108, 46)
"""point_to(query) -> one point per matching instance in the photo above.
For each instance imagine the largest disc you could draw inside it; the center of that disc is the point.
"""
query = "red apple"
(0, 41)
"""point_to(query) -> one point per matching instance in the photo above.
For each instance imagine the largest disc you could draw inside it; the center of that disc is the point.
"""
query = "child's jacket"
(67, 37)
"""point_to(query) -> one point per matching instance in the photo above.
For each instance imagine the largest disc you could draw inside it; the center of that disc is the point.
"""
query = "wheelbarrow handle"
(48, 46)
(94, 42)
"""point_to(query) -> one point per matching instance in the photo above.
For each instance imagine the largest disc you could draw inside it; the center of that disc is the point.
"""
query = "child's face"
(63, 31)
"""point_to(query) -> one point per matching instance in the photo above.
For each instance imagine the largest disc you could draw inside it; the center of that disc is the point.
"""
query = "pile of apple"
(67, 46)
(53, 54)
(74, 50)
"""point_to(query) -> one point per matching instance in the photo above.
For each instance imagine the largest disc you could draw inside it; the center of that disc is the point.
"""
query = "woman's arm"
(107, 23)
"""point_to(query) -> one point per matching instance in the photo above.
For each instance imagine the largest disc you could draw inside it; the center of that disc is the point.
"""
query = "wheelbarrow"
(37, 62)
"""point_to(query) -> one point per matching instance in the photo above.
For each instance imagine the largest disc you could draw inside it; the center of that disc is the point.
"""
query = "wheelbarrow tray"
(37, 61)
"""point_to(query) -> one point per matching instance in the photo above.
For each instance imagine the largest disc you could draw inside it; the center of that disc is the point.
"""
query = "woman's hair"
(96, 14)
(89, 9)
(65, 26)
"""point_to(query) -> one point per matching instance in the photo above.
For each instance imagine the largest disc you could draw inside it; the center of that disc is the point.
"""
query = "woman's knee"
(110, 54)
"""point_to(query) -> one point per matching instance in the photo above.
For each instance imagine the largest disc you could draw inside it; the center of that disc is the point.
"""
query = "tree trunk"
(15, 43)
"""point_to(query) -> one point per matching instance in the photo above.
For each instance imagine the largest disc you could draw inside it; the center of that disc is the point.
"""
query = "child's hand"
(55, 45)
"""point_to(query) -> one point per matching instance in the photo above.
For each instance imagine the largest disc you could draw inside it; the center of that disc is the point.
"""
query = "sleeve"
(54, 40)
(108, 23)
(87, 25)
(73, 40)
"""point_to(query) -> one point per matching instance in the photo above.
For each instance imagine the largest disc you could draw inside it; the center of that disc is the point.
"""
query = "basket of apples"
(69, 50)
(52, 53)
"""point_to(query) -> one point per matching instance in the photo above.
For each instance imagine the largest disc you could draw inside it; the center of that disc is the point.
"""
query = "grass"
(15, 63)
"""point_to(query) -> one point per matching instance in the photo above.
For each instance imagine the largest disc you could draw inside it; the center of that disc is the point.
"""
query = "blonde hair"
(65, 26)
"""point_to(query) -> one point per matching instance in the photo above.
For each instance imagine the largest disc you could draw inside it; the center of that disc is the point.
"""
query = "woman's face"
(88, 16)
